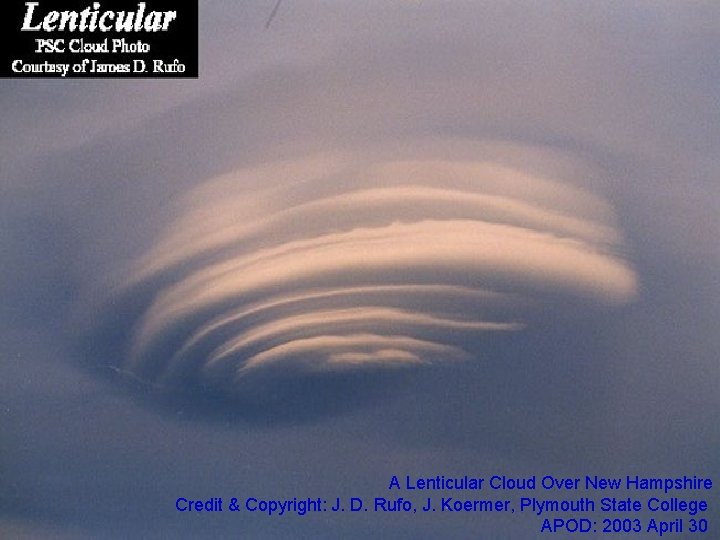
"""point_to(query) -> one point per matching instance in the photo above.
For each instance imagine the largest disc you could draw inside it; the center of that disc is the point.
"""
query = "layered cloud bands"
(337, 264)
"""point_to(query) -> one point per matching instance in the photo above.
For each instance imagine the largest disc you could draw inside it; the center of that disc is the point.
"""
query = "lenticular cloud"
(339, 264)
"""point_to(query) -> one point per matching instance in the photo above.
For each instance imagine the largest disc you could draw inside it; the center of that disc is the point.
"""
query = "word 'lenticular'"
(91, 19)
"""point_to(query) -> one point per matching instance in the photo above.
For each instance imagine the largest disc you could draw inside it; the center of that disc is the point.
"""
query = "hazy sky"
(408, 237)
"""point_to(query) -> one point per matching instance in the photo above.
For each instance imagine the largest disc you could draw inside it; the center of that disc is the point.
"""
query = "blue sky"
(549, 167)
